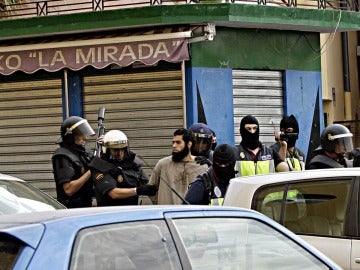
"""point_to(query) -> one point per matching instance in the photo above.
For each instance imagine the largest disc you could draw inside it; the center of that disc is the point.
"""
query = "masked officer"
(118, 177)
(210, 187)
(252, 156)
(74, 187)
(335, 143)
(202, 147)
(285, 143)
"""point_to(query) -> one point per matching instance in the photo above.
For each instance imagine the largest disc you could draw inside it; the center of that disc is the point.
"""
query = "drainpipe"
(346, 70)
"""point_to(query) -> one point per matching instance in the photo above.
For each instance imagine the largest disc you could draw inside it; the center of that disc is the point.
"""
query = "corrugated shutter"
(146, 105)
(29, 126)
(259, 93)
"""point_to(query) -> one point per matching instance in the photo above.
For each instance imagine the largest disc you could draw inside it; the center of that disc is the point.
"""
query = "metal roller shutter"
(147, 106)
(259, 93)
(31, 113)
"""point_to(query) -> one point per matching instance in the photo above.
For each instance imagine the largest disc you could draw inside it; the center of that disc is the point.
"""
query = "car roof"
(29, 227)
(61, 214)
(296, 175)
(7, 177)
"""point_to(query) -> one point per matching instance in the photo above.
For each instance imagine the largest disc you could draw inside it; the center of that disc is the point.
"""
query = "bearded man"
(173, 174)
(253, 157)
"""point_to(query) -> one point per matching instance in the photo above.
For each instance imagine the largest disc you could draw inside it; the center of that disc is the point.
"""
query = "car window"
(9, 251)
(20, 197)
(133, 245)
(311, 207)
(240, 243)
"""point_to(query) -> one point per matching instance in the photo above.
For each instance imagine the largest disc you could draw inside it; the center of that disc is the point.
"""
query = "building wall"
(258, 49)
(340, 105)
(293, 53)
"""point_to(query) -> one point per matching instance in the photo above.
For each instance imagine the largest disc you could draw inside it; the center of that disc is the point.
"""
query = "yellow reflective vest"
(245, 165)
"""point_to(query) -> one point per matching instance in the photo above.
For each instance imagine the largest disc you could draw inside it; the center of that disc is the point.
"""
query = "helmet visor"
(344, 145)
(82, 128)
(116, 144)
(202, 145)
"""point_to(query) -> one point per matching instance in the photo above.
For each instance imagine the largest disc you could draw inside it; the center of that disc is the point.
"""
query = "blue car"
(152, 237)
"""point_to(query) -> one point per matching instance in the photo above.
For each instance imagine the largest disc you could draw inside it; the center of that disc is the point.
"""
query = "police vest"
(245, 165)
(215, 196)
(295, 161)
(75, 159)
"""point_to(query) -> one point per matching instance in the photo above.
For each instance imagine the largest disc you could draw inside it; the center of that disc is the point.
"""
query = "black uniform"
(322, 161)
(108, 175)
(70, 163)
(206, 189)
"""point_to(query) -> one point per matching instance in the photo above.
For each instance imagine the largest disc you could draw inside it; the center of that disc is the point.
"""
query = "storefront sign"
(98, 56)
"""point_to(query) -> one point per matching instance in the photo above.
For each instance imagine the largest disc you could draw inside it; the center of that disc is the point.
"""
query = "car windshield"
(21, 197)
(239, 243)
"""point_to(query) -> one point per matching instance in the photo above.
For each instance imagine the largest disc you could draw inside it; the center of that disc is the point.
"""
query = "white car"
(322, 206)
(18, 196)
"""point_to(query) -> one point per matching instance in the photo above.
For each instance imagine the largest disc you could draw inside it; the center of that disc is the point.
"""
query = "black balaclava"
(249, 140)
(224, 154)
(290, 122)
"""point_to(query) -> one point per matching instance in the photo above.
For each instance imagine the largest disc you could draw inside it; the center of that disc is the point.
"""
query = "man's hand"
(203, 160)
(149, 190)
(100, 140)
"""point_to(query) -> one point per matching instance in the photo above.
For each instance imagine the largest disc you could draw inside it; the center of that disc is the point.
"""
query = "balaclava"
(224, 154)
(249, 140)
(290, 122)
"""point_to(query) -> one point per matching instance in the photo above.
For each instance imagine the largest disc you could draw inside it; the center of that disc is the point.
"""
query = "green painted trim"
(258, 49)
(225, 14)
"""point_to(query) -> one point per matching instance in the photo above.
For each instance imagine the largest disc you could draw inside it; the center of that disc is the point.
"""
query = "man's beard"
(178, 156)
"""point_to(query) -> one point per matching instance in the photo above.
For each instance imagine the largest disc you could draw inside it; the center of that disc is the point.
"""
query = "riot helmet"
(72, 126)
(336, 139)
(116, 139)
(203, 139)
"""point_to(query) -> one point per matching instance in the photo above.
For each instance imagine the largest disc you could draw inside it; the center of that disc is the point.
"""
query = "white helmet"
(115, 139)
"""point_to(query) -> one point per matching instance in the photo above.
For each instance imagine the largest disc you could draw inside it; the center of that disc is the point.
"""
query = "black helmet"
(74, 125)
(202, 135)
(337, 139)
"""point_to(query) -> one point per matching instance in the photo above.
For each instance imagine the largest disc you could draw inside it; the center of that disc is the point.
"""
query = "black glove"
(117, 171)
(203, 160)
(355, 154)
(149, 190)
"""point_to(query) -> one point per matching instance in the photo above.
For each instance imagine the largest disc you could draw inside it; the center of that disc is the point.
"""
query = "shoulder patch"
(99, 176)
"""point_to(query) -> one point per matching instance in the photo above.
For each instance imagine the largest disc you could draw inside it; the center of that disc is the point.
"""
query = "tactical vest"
(82, 198)
(295, 161)
(213, 192)
(245, 165)
(329, 162)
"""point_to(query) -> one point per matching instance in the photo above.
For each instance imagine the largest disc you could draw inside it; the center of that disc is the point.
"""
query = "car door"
(231, 240)
(317, 210)
(354, 229)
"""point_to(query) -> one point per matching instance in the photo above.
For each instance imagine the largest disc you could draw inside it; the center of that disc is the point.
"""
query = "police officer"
(335, 143)
(118, 177)
(252, 156)
(285, 143)
(202, 147)
(210, 187)
(74, 187)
